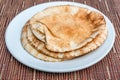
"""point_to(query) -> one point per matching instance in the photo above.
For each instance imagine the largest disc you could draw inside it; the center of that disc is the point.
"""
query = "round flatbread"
(63, 32)
(66, 28)
(95, 43)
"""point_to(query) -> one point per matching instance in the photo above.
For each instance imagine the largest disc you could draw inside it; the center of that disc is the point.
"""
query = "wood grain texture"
(107, 69)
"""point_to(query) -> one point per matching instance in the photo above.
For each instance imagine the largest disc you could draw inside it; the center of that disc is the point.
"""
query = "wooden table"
(107, 69)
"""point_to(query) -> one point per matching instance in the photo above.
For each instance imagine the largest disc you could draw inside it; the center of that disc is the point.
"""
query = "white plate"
(13, 33)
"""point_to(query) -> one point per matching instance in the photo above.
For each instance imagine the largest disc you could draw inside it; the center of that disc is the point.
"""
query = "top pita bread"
(66, 28)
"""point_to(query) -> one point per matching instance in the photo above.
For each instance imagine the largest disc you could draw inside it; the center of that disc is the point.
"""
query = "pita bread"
(95, 43)
(66, 28)
(32, 50)
(63, 32)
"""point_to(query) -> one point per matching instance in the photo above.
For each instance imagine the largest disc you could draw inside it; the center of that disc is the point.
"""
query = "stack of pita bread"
(63, 32)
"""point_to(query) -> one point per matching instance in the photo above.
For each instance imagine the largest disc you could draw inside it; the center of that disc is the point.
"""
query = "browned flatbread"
(95, 43)
(63, 32)
(66, 28)
(32, 50)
